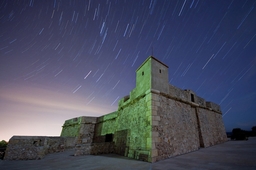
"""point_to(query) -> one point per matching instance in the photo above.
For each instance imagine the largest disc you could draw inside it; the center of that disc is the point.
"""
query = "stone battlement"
(187, 96)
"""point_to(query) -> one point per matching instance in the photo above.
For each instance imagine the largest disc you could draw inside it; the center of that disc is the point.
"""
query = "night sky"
(69, 58)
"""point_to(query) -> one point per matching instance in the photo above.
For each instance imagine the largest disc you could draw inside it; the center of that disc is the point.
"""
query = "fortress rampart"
(154, 122)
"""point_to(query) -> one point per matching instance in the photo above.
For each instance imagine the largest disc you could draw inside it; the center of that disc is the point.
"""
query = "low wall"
(36, 147)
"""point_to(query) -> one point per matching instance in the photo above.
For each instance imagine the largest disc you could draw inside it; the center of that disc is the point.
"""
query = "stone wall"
(213, 106)
(130, 127)
(86, 131)
(78, 126)
(122, 142)
(183, 122)
(143, 77)
(92, 135)
(212, 127)
(175, 129)
(178, 93)
(106, 125)
(94, 148)
(36, 147)
(71, 127)
(134, 120)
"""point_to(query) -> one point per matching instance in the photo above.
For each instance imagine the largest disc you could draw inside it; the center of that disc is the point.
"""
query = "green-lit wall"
(71, 127)
(131, 127)
(106, 124)
(136, 116)
(143, 79)
(159, 77)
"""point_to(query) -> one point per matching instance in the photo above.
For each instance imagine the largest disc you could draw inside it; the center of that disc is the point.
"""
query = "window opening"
(143, 73)
(160, 70)
(109, 138)
(192, 98)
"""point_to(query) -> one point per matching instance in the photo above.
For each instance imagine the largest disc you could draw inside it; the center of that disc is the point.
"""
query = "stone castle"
(154, 122)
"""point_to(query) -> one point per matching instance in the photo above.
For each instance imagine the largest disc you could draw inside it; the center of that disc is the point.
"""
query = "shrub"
(3, 144)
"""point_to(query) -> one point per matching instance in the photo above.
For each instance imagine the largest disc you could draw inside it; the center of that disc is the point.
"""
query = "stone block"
(153, 145)
(155, 91)
(156, 118)
(155, 123)
(154, 152)
(154, 112)
(155, 97)
(155, 134)
(154, 107)
(156, 139)
(155, 103)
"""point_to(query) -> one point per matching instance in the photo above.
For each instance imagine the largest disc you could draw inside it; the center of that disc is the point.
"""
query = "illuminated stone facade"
(156, 121)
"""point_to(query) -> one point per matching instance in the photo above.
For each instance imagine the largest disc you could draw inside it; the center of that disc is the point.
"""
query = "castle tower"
(152, 74)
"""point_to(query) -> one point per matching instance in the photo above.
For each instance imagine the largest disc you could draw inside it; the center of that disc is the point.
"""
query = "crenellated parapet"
(190, 96)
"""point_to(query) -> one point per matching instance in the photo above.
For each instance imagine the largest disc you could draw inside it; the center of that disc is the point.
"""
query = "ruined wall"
(212, 127)
(36, 147)
(175, 129)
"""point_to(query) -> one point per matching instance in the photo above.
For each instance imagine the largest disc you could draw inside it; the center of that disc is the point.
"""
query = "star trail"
(63, 59)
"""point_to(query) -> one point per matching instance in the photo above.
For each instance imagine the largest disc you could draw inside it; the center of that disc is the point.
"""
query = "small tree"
(3, 144)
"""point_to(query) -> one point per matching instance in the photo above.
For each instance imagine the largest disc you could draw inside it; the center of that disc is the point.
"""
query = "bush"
(239, 134)
(3, 144)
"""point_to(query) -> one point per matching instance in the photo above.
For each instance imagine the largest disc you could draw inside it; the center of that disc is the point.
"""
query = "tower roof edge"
(152, 57)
